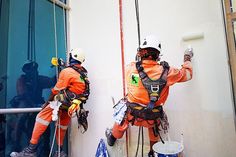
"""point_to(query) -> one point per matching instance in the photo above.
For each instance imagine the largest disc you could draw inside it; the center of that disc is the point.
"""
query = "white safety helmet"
(151, 41)
(78, 54)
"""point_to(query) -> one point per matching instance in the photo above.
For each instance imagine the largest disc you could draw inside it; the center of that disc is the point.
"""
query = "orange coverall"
(70, 79)
(138, 94)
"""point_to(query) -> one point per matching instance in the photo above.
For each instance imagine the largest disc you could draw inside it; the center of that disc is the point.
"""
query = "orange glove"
(74, 107)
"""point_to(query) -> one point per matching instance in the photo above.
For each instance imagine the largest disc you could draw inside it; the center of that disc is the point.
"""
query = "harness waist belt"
(71, 95)
(139, 107)
(143, 112)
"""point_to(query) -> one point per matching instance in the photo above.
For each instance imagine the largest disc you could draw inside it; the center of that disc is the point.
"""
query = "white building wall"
(201, 109)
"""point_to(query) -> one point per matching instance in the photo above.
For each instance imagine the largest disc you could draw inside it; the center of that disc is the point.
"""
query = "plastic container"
(168, 149)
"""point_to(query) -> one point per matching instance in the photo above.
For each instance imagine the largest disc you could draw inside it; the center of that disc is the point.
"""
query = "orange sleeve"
(62, 82)
(180, 75)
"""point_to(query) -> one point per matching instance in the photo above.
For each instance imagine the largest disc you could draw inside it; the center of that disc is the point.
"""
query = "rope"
(57, 126)
(59, 137)
(142, 141)
(137, 18)
(57, 74)
(55, 33)
(139, 131)
(1, 9)
(65, 36)
(53, 140)
(57, 69)
(136, 154)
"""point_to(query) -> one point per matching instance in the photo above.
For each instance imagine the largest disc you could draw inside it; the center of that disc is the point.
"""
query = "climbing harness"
(83, 114)
(83, 74)
(70, 101)
(66, 96)
(154, 87)
(142, 112)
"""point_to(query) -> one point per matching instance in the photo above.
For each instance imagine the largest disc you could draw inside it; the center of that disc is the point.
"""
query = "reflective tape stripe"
(42, 121)
(63, 127)
(188, 75)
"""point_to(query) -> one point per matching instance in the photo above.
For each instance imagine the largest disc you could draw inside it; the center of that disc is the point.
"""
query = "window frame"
(230, 20)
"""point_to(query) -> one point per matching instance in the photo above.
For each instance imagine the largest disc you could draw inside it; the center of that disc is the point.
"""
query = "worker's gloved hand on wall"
(188, 54)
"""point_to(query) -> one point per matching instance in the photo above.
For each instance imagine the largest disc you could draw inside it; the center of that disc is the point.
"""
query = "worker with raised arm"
(67, 97)
(147, 82)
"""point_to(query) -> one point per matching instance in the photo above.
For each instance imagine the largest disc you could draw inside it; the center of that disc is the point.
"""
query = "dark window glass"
(27, 44)
(15, 134)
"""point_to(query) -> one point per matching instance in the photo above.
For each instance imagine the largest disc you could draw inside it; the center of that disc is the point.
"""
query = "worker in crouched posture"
(147, 82)
(67, 97)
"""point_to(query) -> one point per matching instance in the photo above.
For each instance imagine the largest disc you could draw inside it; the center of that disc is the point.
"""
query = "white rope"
(65, 34)
(59, 139)
(55, 32)
(53, 140)
(57, 73)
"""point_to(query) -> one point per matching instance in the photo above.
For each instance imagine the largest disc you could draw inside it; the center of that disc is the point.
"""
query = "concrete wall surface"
(201, 109)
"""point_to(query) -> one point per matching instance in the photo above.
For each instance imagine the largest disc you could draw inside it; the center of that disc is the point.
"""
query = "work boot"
(110, 138)
(62, 154)
(29, 151)
(151, 154)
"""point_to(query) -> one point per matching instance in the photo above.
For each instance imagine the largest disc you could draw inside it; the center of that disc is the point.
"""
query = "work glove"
(74, 107)
(82, 120)
(58, 62)
(188, 54)
(164, 123)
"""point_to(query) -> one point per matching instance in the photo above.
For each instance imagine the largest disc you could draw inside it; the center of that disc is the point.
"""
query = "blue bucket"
(168, 149)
